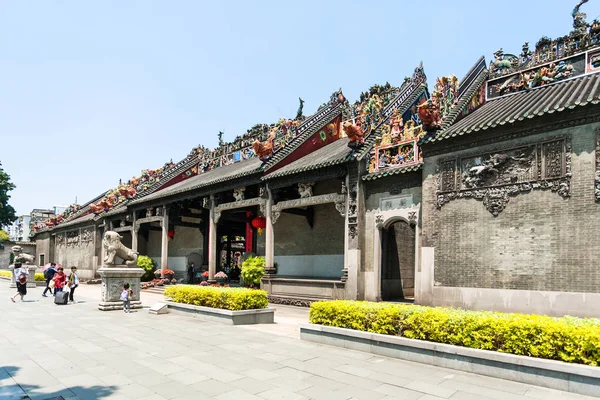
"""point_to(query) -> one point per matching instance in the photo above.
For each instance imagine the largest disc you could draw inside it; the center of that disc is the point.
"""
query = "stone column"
(164, 254)
(269, 236)
(134, 234)
(212, 241)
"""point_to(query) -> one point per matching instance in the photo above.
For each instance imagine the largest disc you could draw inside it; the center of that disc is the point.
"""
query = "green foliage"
(7, 213)
(253, 269)
(12, 258)
(4, 236)
(6, 274)
(218, 297)
(566, 339)
(148, 265)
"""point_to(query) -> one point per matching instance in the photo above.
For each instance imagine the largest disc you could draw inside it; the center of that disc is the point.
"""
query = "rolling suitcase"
(61, 298)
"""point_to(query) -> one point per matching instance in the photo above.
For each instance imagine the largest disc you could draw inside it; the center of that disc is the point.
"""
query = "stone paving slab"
(79, 352)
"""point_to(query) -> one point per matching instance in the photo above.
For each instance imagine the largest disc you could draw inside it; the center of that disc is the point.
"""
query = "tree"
(3, 236)
(7, 213)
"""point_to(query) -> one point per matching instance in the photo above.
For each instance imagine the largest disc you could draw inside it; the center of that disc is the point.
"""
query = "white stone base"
(113, 279)
(118, 305)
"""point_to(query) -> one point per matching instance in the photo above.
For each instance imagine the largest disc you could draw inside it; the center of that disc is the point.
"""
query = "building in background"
(19, 230)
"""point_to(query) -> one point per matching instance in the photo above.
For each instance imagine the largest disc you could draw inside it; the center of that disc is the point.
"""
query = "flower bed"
(218, 297)
(566, 339)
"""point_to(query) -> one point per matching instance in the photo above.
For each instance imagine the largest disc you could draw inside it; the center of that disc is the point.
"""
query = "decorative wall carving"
(73, 238)
(305, 189)
(290, 301)
(238, 194)
(148, 212)
(495, 176)
(307, 202)
(61, 239)
(597, 178)
(87, 235)
(256, 201)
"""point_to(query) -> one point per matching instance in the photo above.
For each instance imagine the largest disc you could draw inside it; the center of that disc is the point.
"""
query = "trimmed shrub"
(569, 339)
(6, 274)
(148, 265)
(253, 269)
(218, 297)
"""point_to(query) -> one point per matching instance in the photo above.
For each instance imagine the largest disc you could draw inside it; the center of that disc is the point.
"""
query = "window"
(42, 257)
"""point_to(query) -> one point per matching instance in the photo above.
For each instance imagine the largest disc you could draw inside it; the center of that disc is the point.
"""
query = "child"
(126, 297)
(73, 283)
(21, 274)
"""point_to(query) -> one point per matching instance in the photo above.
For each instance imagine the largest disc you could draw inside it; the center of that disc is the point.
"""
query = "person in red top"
(59, 280)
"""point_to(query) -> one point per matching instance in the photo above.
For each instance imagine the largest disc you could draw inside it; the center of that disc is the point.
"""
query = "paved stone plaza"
(78, 352)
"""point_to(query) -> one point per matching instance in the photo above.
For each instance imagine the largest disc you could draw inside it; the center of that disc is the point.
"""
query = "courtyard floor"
(78, 352)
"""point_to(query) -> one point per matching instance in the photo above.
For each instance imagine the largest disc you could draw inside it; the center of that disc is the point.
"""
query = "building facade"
(482, 194)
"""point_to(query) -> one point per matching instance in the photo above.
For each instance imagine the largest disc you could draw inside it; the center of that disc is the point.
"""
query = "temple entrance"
(398, 262)
(235, 237)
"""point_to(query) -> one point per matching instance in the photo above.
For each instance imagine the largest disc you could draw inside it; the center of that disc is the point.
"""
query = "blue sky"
(95, 91)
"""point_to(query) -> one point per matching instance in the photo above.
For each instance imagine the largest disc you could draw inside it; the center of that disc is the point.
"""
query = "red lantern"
(259, 223)
(171, 233)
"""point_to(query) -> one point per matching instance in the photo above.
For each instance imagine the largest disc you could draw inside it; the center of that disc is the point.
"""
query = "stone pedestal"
(113, 279)
(30, 282)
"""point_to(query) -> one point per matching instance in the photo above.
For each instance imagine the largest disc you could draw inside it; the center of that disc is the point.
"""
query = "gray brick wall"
(539, 242)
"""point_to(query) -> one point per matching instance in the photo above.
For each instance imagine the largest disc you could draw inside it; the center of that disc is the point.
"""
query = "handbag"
(51, 284)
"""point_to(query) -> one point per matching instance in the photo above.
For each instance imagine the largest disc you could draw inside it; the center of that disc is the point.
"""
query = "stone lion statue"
(22, 258)
(113, 247)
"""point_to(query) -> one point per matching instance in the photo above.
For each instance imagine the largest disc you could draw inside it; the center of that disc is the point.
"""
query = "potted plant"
(204, 276)
(221, 277)
(169, 273)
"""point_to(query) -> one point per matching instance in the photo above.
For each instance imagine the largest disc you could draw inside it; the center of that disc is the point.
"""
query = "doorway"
(398, 262)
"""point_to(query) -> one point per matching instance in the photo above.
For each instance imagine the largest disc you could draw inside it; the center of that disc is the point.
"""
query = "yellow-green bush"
(38, 275)
(218, 297)
(575, 340)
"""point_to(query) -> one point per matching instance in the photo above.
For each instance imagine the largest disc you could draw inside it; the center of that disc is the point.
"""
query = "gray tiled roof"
(390, 172)
(212, 177)
(76, 221)
(528, 104)
(332, 154)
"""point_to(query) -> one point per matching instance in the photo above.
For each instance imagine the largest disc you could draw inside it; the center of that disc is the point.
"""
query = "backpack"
(124, 295)
(46, 274)
(22, 277)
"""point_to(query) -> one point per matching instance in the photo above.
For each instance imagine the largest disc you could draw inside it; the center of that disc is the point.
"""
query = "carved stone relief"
(148, 212)
(597, 177)
(305, 189)
(307, 202)
(159, 211)
(61, 239)
(238, 194)
(87, 235)
(73, 238)
(495, 176)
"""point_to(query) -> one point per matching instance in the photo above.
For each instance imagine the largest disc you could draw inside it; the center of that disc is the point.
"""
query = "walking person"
(126, 297)
(59, 280)
(73, 283)
(21, 276)
(49, 275)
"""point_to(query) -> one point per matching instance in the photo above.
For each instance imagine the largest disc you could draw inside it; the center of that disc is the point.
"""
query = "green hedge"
(218, 297)
(574, 340)
(6, 274)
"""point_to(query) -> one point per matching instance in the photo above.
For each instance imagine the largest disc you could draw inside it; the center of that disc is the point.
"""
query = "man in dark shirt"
(49, 274)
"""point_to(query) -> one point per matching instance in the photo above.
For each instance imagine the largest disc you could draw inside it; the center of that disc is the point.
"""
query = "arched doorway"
(398, 261)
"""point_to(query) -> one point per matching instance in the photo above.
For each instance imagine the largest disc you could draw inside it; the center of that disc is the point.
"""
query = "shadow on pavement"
(10, 390)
